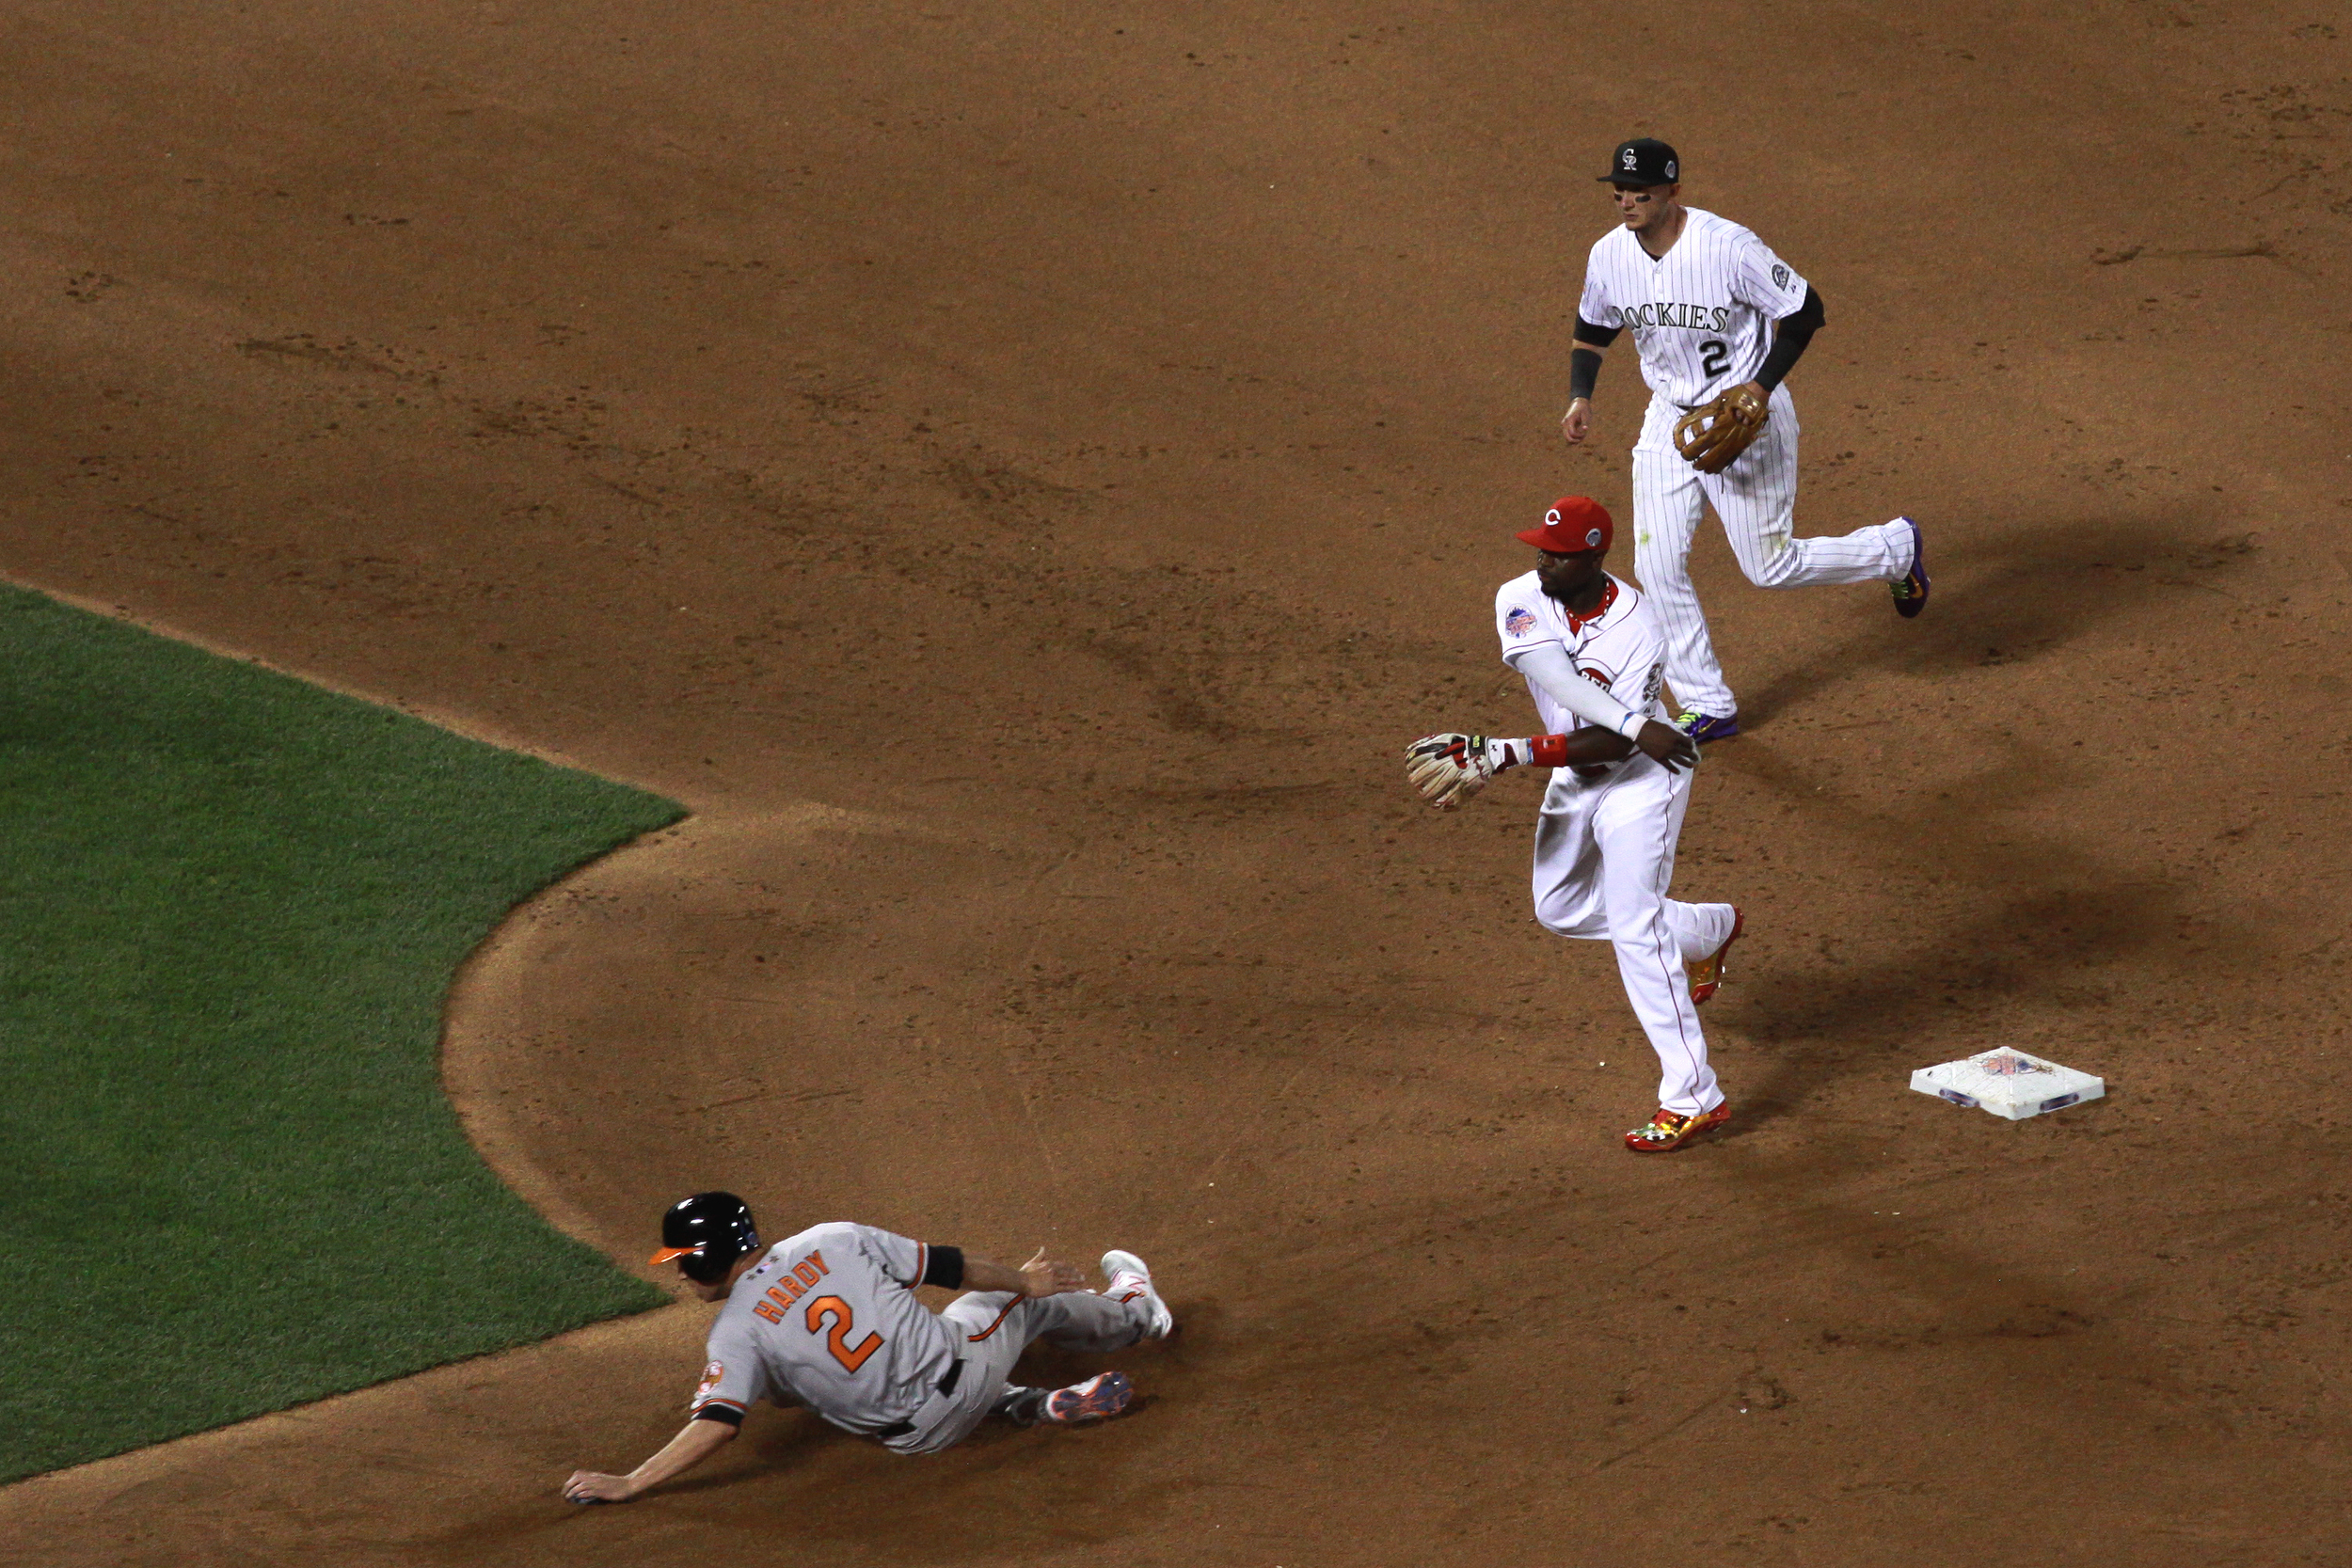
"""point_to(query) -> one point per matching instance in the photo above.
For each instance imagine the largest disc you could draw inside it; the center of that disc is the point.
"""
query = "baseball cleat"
(1910, 593)
(1130, 1279)
(1704, 727)
(1666, 1131)
(1708, 972)
(1098, 1398)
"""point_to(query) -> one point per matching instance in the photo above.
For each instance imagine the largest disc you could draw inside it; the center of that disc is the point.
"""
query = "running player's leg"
(1697, 929)
(1567, 861)
(1635, 824)
(1756, 500)
(1666, 499)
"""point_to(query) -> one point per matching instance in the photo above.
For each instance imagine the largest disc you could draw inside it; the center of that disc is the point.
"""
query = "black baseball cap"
(1645, 161)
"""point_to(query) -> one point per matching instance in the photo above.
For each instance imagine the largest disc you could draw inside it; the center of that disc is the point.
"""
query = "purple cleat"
(1704, 727)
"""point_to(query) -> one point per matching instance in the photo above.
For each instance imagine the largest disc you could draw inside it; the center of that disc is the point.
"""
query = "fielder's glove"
(1449, 769)
(1712, 435)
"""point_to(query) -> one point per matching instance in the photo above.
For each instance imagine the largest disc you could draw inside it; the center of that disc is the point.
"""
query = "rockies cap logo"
(1628, 160)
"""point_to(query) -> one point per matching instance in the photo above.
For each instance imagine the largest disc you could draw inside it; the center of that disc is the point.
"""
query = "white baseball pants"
(991, 1329)
(1604, 855)
(1756, 498)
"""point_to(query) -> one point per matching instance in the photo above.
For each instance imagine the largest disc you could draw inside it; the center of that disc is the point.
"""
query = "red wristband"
(1549, 750)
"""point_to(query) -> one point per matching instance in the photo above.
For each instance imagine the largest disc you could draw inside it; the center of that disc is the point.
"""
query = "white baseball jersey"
(1700, 314)
(829, 1319)
(1618, 647)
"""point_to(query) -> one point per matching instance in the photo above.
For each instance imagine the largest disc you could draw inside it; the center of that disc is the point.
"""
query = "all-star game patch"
(1518, 623)
(2008, 1064)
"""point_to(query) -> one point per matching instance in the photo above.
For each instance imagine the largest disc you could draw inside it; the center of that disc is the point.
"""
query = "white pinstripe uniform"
(1605, 838)
(1700, 316)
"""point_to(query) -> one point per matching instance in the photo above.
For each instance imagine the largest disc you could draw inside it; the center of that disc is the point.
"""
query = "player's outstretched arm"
(697, 1442)
(1040, 1276)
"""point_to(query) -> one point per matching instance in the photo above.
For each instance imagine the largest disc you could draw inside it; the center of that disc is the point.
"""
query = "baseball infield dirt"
(1020, 473)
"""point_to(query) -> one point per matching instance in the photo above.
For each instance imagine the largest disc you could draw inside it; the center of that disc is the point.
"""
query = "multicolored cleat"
(1708, 972)
(1704, 727)
(1666, 1131)
(1910, 593)
(1098, 1398)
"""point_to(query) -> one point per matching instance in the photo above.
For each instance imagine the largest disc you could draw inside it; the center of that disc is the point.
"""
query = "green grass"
(230, 905)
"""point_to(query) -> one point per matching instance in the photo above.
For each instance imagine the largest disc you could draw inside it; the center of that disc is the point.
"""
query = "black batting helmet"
(705, 1234)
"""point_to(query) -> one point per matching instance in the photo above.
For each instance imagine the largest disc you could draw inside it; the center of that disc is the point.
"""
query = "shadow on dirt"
(2024, 592)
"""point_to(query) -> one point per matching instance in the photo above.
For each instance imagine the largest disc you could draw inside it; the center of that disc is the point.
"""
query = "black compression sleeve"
(1796, 330)
(723, 1415)
(1584, 369)
(946, 1267)
(1599, 337)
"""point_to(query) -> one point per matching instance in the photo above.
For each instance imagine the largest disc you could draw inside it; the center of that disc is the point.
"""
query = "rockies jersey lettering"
(1701, 315)
(1620, 649)
(829, 1319)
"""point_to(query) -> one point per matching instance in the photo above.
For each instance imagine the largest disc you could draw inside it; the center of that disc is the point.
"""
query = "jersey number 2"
(1715, 358)
(850, 1355)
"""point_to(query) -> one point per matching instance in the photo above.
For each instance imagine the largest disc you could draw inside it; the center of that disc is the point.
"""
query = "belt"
(947, 1385)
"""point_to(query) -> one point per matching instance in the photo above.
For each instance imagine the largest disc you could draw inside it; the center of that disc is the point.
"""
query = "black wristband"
(946, 1267)
(1584, 369)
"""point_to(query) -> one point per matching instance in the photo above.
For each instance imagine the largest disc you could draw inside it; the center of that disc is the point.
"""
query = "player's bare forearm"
(1584, 747)
(697, 1442)
(1667, 745)
(1040, 1276)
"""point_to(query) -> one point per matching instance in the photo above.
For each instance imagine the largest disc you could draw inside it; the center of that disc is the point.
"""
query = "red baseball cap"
(1571, 526)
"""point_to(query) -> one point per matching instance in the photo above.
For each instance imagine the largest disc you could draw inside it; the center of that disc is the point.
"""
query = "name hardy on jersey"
(1658, 313)
(787, 1290)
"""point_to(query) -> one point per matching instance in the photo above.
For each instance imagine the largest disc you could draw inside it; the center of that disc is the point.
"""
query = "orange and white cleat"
(1098, 1398)
(1666, 1131)
(1708, 972)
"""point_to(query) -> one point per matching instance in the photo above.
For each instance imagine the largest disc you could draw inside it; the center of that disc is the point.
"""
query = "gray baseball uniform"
(829, 1319)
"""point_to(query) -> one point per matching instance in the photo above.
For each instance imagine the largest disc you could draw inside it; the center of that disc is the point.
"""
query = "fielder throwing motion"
(1593, 658)
(1702, 296)
(829, 1319)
